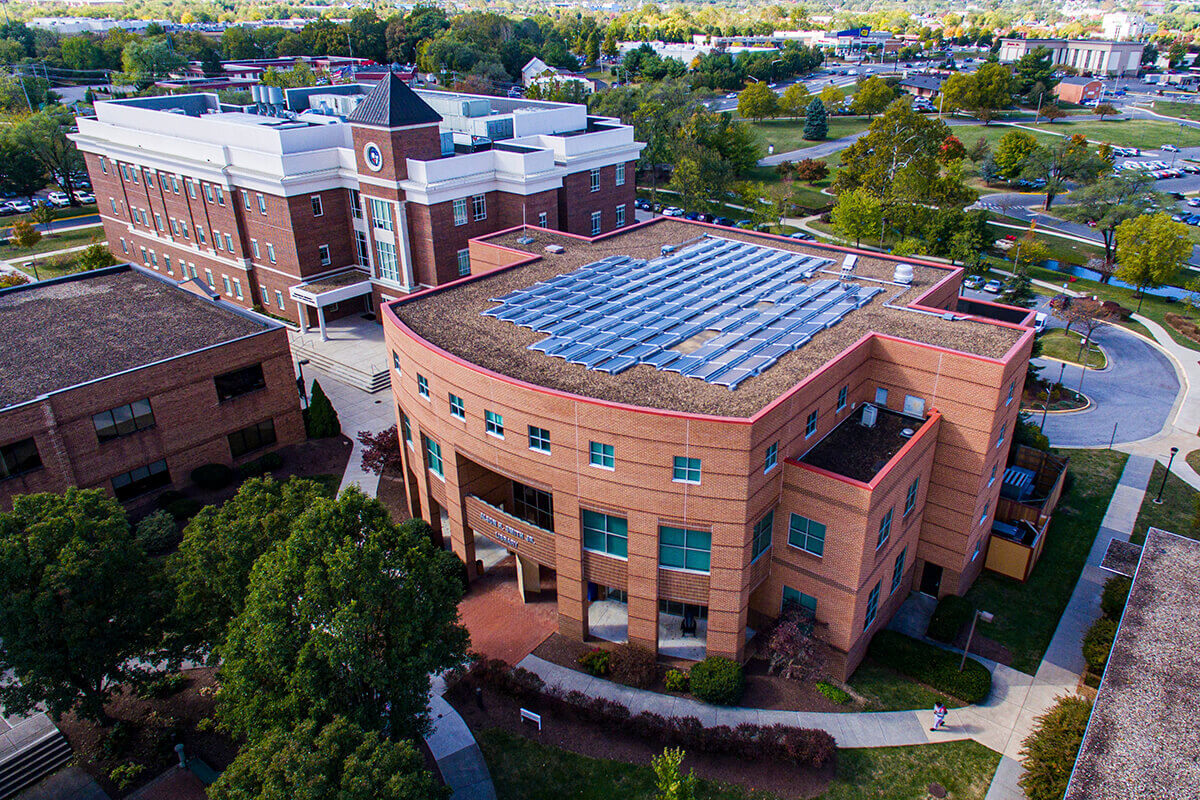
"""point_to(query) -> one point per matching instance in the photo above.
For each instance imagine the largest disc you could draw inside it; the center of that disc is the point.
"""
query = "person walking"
(939, 716)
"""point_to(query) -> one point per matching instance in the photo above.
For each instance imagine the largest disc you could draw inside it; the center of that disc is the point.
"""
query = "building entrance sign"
(504, 533)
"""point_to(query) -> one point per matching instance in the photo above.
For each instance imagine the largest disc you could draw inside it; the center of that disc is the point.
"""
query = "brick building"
(324, 201)
(1077, 90)
(705, 423)
(122, 380)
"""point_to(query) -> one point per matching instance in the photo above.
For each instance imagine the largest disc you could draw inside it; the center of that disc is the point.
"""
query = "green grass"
(1177, 513)
(60, 215)
(1143, 133)
(788, 134)
(525, 770)
(1058, 343)
(56, 241)
(1193, 460)
(888, 690)
(1026, 614)
(1183, 110)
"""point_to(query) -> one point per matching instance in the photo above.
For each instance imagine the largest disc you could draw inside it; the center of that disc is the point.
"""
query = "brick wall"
(577, 201)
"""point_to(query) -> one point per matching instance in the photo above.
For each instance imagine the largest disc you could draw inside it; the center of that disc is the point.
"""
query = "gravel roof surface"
(347, 278)
(1142, 739)
(1121, 557)
(452, 319)
(858, 452)
(59, 334)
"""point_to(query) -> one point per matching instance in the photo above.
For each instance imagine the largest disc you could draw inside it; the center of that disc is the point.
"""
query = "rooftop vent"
(949, 315)
(848, 266)
(903, 274)
(869, 415)
(667, 249)
(525, 240)
(555, 248)
(907, 433)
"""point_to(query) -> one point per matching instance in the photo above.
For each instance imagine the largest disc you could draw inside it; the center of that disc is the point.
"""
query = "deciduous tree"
(1150, 250)
(1011, 153)
(810, 170)
(1062, 162)
(832, 98)
(1103, 110)
(1107, 202)
(794, 100)
(96, 256)
(757, 101)
(872, 96)
(984, 93)
(381, 451)
(669, 780)
(857, 214)
(44, 137)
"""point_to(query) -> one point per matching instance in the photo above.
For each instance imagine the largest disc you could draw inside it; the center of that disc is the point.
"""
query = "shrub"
(1116, 592)
(212, 476)
(164, 686)
(932, 665)
(633, 666)
(596, 662)
(261, 465)
(676, 681)
(124, 775)
(953, 612)
(184, 508)
(832, 693)
(10, 279)
(1097, 643)
(157, 532)
(165, 499)
(271, 461)
(718, 680)
(321, 420)
(1049, 752)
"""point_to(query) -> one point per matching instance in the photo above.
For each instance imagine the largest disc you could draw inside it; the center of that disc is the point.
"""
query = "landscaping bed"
(391, 493)
(1066, 346)
(1183, 326)
(1033, 398)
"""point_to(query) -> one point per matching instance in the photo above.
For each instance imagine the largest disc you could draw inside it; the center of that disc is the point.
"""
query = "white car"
(992, 286)
(20, 206)
(85, 197)
(58, 199)
(672, 211)
(1039, 322)
(1169, 148)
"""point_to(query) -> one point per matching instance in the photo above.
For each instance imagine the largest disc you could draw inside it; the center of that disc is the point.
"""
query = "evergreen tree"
(321, 417)
(816, 128)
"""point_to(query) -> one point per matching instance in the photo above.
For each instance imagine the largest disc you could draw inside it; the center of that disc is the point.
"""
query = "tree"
(78, 602)
(1052, 112)
(669, 779)
(147, 59)
(25, 235)
(794, 100)
(339, 761)
(300, 74)
(381, 451)
(815, 126)
(984, 92)
(1033, 68)
(1011, 152)
(810, 170)
(211, 569)
(872, 96)
(1107, 202)
(757, 101)
(793, 649)
(1019, 290)
(42, 214)
(320, 416)
(1031, 251)
(1103, 110)
(21, 174)
(1060, 163)
(1084, 312)
(951, 150)
(980, 151)
(44, 136)
(857, 214)
(832, 98)
(95, 256)
(1049, 752)
(1150, 250)
(349, 616)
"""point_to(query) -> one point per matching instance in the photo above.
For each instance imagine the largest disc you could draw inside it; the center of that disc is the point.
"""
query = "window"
(796, 598)
(262, 204)
(229, 242)
(355, 204)
(605, 534)
(246, 200)
(686, 470)
(167, 264)
(239, 382)
(103, 165)
(18, 458)
(986, 508)
(494, 423)
(145, 257)
(533, 505)
(898, 571)
(237, 288)
(1012, 388)
(405, 429)
(279, 299)
(363, 249)
(841, 401)
(806, 534)
(216, 239)
(872, 607)
(184, 228)
(396, 366)
(601, 455)
(318, 209)
(158, 226)
(457, 409)
(885, 529)
(684, 549)
(254, 248)
(133, 173)
(621, 174)
(992, 479)
(149, 178)
(595, 180)
(810, 425)
(124, 246)
(208, 194)
(621, 216)
(191, 187)
(228, 285)
(460, 211)
(881, 397)
(323, 252)
(542, 219)
(153, 260)
(595, 223)
(252, 438)
(208, 277)
(539, 439)
(385, 261)
(423, 386)
(266, 296)
(141, 480)
(200, 236)
(479, 207)
(464, 262)
(762, 535)
(220, 196)
(1003, 431)
(433, 456)
(772, 458)
(910, 498)
(271, 252)
(113, 202)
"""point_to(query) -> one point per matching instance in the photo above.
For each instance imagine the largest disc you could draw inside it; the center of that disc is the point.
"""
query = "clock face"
(373, 156)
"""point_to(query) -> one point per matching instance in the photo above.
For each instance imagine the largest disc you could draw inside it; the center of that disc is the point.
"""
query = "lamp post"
(1046, 407)
(300, 381)
(1163, 485)
(978, 615)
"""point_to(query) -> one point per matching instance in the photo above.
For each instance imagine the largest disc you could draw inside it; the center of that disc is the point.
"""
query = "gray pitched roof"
(391, 104)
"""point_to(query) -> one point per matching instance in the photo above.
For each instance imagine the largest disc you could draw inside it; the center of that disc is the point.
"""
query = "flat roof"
(1141, 738)
(68, 331)
(452, 318)
(858, 451)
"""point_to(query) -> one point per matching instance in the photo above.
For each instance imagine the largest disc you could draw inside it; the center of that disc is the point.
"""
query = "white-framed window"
(237, 288)
(229, 242)
(124, 246)
(621, 216)
(381, 214)
(542, 219)
(113, 202)
(191, 187)
(317, 207)
(772, 458)
(208, 192)
(220, 195)
(355, 204)
(228, 285)
(266, 296)
(680, 548)
(362, 248)
(385, 261)
(149, 177)
(216, 239)
(279, 299)
(323, 252)
(621, 174)
(433, 456)
(460, 211)
(464, 262)
(992, 479)
(175, 184)
(479, 207)
(153, 260)
(103, 165)
(262, 204)
(457, 409)
(493, 423)
(271, 252)
(145, 257)
(423, 386)
(686, 470)
(807, 535)
(539, 439)
(841, 401)
(200, 235)
(246, 200)
(595, 180)
(208, 278)
(1003, 433)
(254, 248)
(595, 223)
(601, 455)
(603, 533)
(167, 264)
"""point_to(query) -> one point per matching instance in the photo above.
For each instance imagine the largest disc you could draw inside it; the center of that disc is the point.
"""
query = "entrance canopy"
(329, 290)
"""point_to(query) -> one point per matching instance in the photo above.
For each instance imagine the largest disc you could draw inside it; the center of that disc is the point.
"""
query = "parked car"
(1169, 148)
(20, 206)
(58, 199)
(6, 209)
(694, 216)
(1039, 322)
(973, 282)
(672, 211)
(85, 197)
(644, 205)
(992, 287)
(1194, 202)
(725, 221)
(744, 223)
(802, 236)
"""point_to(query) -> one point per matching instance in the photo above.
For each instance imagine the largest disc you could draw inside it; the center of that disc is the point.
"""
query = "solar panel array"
(752, 304)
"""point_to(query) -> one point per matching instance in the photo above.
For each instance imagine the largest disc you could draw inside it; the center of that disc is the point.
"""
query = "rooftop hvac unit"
(870, 414)
(667, 249)
(525, 240)
(848, 266)
(555, 248)
(903, 274)
(907, 433)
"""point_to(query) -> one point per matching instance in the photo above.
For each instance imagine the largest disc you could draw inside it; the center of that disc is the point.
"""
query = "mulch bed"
(313, 457)
(1061, 399)
(568, 733)
(156, 725)
(768, 692)
(983, 646)
(391, 493)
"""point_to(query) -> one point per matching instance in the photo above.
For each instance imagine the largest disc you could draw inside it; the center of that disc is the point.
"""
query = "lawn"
(1193, 460)
(525, 770)
(1060, 249)
(1183, 110)
(1177, 513)
(1026, 614)
(888, 690)
(969, 134)
(1143, 133)
(788, 134)
(1058, 343)
(56, 241)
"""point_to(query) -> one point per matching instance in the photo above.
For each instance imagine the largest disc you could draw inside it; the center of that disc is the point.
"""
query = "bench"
(529, 716)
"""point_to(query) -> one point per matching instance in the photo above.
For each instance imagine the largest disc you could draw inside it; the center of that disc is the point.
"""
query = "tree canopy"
(1011, 151)
(1057, 164)
(872, 96)
(1150, 250)
(1110, 200)
(983, 93)
(757, 101)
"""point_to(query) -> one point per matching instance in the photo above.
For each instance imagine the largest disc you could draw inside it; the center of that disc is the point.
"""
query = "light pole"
(978, 615)
(300, 381)
(1046, 407)
(1163, 485)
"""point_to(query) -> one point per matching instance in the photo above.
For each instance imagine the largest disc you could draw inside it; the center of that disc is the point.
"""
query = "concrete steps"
(39, 750)
(367, 377)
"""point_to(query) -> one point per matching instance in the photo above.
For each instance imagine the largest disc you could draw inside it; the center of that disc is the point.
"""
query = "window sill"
(540, 450)
(681, 480)
(607, 555)
(685, 570)
(440, 477)
(457, 417)
(499, 436)
(22, 474)
(601, 466)
(770, 469)
(806, 552)
(120, 436)
(222, 401)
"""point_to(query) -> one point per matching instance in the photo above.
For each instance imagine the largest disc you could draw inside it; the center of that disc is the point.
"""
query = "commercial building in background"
(1089, 56)
(1121, 25)
(694, 425)
(121, 380)
(322, 202)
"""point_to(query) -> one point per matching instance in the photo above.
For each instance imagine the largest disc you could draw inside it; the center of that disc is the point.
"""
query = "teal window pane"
(670, 556)
(697, 560)
(618, 546)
